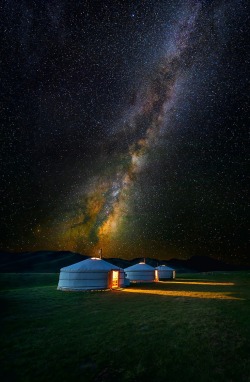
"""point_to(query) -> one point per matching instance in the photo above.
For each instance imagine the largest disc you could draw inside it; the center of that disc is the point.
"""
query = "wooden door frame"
(110, 278)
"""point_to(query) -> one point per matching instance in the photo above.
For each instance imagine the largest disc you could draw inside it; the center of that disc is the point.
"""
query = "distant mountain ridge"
(53, 261)
(40, 261)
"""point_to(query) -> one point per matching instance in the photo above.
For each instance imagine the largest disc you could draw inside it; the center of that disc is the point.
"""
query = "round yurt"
(165, 273)
(141, 272)
(91, 274)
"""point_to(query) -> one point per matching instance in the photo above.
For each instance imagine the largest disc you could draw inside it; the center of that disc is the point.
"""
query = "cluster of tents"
(96, 273)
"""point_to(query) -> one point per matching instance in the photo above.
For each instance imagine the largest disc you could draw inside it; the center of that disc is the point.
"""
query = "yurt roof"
(139, 267)
(94, 264)
(164, 268)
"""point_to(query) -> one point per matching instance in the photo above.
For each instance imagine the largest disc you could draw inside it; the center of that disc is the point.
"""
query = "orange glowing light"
(197, 283)
(114, 279)
(189, 294)
(156, 275)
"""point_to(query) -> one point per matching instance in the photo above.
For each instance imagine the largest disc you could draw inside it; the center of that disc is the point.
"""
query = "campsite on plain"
(194, 328)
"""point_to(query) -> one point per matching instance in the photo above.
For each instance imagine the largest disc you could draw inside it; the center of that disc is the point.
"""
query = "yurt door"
(114, 279)
(156, 275)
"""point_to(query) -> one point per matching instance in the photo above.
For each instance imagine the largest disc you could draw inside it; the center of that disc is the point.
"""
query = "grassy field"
(193, 329)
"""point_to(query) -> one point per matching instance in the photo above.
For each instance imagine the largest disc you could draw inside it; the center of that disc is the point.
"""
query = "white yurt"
(165, 272)
(141, 272)
(91, 274)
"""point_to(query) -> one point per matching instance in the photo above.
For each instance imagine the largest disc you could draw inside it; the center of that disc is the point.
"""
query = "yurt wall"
(140, 273)
(91, 274)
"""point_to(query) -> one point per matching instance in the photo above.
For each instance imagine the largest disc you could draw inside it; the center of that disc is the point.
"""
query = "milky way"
(157, 177)
(106, 206)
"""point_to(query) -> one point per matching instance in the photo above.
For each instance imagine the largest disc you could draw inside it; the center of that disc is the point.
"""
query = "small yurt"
(141, 272)
(91, 274)
(165, 273)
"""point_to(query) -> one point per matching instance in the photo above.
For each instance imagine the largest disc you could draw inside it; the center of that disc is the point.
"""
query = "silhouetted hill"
(203, 264)
(41, 261)
(118, 262)
(53, 261)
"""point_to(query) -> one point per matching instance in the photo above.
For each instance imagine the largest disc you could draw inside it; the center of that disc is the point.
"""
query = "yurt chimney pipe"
(100, 253)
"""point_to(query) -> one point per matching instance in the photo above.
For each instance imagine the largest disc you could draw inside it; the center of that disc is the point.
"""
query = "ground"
(195, 328)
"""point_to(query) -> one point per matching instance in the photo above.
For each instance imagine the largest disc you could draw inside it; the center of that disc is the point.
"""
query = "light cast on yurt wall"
(91, 274)
(141, 272)
(165, 273)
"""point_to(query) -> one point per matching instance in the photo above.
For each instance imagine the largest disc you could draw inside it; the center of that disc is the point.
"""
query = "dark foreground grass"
(193, 330)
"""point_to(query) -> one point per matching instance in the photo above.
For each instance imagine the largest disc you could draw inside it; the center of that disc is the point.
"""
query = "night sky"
(124, 127)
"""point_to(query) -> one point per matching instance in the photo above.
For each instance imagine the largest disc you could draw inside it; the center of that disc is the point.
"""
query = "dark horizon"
(198, 259)
(125, 128)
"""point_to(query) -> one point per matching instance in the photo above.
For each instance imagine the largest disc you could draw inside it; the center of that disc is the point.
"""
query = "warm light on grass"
(196, 283)
(175, 293)
(170, 289)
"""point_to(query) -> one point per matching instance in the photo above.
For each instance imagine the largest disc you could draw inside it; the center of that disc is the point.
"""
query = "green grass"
(49, 335)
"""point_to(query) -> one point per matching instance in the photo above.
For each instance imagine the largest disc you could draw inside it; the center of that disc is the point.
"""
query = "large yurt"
(141, 272)
(165, 273)
(91, 274)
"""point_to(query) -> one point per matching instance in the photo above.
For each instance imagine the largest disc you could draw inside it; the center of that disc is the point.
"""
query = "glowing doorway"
(156, 275)
(114, 279)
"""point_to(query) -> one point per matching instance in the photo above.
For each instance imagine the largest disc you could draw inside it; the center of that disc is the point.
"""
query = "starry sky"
(124, 127)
